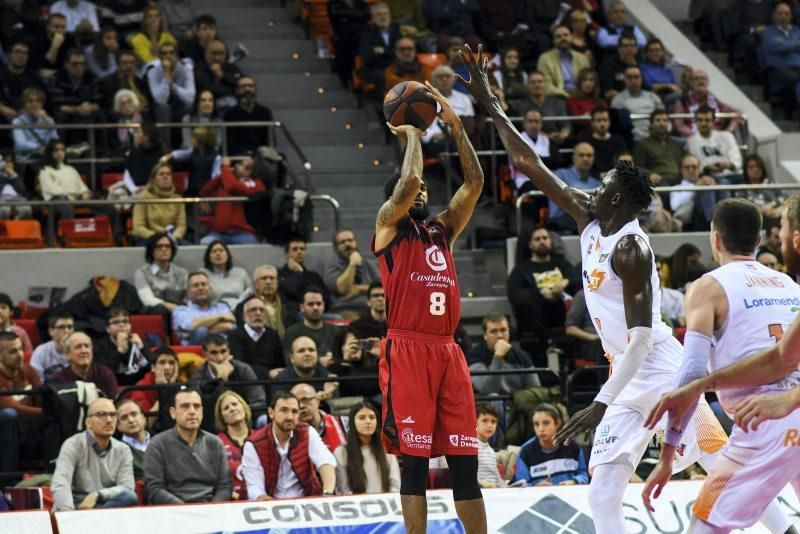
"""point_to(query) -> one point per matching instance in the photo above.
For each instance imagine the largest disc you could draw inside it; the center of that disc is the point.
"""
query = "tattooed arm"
(407, 188)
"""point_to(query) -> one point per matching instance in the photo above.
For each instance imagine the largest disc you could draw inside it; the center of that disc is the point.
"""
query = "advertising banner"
(29, 522)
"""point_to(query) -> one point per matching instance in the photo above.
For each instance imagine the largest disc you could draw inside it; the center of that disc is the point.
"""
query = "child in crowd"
(488, 474)
(543, 463)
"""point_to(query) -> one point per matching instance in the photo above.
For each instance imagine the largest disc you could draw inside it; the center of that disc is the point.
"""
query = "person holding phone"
(354, 356)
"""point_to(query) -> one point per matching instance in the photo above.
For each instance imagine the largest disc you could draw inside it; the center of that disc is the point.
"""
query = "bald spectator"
(695, 208)
(280, 312)
(200, 316)
(93, 469)
(329, 427)
(540, 143)
(608, 35)
(578, 176)
(15, 374)
(548, 106)
(376, 44)
(561, 65)
(255, 343)
(304, 363)
(51, 357)
(78, 348)
(637, 101)
(405, 67)
(217, 75)
(132, 427)
(698, 96)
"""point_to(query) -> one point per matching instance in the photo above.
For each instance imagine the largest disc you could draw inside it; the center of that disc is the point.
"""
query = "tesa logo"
(435, 259)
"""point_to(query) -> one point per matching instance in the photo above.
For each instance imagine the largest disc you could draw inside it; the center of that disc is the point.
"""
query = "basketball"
(409, 103)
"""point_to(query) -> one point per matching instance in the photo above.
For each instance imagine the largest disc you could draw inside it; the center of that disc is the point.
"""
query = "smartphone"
(364, 344)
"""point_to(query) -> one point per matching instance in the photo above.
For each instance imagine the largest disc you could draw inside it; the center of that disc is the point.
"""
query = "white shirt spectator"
(461, 104)
(719, 146)
(47, 362)
(644, 103)
(182, 83)
(288, 486)
(678, 199)
(672, 303)
(75, 15)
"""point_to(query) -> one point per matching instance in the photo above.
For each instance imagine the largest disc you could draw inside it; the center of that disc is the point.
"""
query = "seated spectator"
(349, 19)
(201, 315)
(772, 243)
(229, 282)
(49, 48)
(410, 17)
(654, 218)
(122, 351)
(765, 258)
(348, 275)
(280, 312)
(132, 427)
(16, 375)
(536, 292)
(165, 370)
(12, 189)
(561, 65)
(612, 69)
(455, 45)
(697, 97)
(160, 284)
(362, 465)
(202, 159)
(717, 151)
(31, 142)
(204, 111)
(205, 31)
(672, 305)
(242, 140)
(609, 34)
(232, 416)
(185, 463)
(255, 343)
(312, 309)
(500, 25)
(540, 143)
(101, 58)
(125, 77)
(780, 53)
(143, 158)
(509, 77)
(127, 16)
(19, 20)
(657, 76)
(93, 469)
(584, 98)
(59, 180)
(447, 18)
(15, 77)
(659, 153)
(540, 462)
(151, 219)
(221, 365)
(376, 45)
(684, 267)
(295, 277)
(229, 223)
(354, 356)
(78, 348)
(127, 111)
(769, 200)
(578, 176)
(607, 146)
(50, 357)
(581, 329)
(488, 475)
(273, 458)
(584, 33)
(548, 106)
(746, 21)
(437, 136)
(148, 43)
(304, 363)
(373, 323)
(75, 97)
(6, 313)
(217, 75)
(330, 428)
(406, 67)
(695, 209)
(81, 16)
(637, 101)
(171, 83)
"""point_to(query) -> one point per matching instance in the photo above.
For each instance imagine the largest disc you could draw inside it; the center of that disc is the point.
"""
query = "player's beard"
(420, 213)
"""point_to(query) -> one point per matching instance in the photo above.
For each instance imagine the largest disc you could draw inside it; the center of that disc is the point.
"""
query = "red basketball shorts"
(428, 404)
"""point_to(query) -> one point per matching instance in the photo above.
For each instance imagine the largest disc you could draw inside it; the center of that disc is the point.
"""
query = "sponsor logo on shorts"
(608, 440)
(408, 420)
(792, 438)
(435, 259)
(460, 440)
(604, 430)
(416, 441)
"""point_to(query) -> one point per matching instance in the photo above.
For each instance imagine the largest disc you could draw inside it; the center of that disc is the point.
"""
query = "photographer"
(357, 357)
(122, 351)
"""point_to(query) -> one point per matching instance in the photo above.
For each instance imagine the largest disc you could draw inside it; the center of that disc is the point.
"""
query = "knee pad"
(414, 475)
(464, 470)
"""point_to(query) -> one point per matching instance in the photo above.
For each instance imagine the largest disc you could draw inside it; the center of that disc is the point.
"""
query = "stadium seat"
(22, 233)
(86, 232)
(194, 349)
(432, 60)
(181, 180)
(29, 325)
(110, 178)
(149, 324)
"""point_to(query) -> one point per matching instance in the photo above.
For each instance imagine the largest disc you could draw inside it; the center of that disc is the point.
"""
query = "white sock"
(698, 526)
(605, 497)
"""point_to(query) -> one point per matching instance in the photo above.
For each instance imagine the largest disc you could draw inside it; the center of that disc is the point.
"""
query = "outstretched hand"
(585, 420)
(446, 113)
(677, 403)
(478, 84)
(403, 130)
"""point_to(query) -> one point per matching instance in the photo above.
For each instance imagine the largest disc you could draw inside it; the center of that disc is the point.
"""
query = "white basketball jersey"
(762, 303)
(603, 291)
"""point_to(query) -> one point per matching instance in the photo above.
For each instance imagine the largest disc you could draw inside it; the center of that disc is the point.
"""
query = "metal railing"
(666, 189)
(92, 128)
(50, 234)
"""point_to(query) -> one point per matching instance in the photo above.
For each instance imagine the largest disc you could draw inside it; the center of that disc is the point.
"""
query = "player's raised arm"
(459, 211)
(571, 200)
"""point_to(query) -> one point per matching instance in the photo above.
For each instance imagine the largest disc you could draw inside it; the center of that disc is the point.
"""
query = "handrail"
(633, 116)
(666, 189)
(337, 222)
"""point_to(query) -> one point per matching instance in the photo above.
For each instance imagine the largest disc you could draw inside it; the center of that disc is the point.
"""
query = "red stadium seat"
(29, 325)
(194, 349)
(432, 60)
(21, 234)
(338, 322)
(86, 232)
(110, 178)
(181, 180)
(149, 324)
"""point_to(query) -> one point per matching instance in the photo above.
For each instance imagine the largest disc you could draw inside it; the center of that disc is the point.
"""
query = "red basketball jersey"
(419, 279)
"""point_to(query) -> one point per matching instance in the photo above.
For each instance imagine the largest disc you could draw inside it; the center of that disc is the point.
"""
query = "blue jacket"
(573, 179)
(781, 50)
(28, 141)
(566, 462)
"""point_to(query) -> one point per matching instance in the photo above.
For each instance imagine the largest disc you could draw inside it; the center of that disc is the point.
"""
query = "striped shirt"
(487, 464)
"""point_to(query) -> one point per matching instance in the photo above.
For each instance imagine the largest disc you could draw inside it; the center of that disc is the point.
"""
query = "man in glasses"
(348, 275)
(93, 469)
(50, 358)
(255, 343)
(122, 351)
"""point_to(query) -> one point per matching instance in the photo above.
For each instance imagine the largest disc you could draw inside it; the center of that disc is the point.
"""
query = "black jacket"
(371, 39)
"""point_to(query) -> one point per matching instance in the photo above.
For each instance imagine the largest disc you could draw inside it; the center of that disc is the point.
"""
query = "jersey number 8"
(437, 303)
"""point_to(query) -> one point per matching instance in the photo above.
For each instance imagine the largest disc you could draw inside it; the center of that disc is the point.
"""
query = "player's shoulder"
(705, 289)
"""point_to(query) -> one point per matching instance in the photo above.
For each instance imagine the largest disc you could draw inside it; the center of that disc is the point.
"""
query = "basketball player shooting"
(619, 277)
(428, 407)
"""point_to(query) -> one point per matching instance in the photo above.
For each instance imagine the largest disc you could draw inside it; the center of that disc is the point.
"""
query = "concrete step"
(335, 157)
(352, 137)
(257, 64)
(308, 84)
(322, 103)
(282, 49)
(305, 119)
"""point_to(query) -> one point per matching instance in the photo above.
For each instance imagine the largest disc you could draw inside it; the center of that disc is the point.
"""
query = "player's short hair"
(390, 184)
(484, 407)
(637, 183)
(738, 222)
(493, 317)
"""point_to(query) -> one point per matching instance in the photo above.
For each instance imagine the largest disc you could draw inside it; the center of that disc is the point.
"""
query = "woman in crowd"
(160, 283)
(585, 97)
(127, 110)
(101, 57)
(770, 200)
(59, 180)
(510, 77)
(540, 462)
(232, 415)
(149, 219)
(204, 111)
(31, 142)
(362, 465)
(357, 357)
(583, 33)
(227, 281)
(203, 159)
(154, 34)
(684, 267)
(146, 153)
